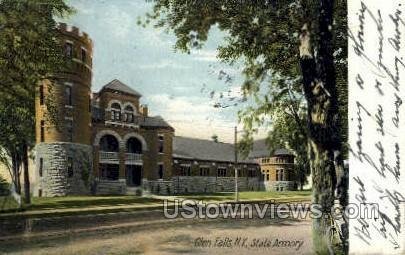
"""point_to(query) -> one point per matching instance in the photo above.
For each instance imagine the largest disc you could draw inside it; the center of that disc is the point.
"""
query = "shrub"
(4, 187)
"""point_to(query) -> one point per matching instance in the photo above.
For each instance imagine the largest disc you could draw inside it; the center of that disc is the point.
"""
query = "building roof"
(156, 121)
(117, 85)
(193, 148)
(261, 149)
(282, 152)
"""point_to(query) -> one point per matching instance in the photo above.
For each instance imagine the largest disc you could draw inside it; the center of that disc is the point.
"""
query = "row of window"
(111, 171)
(221, 171)
(279, 175)
(272, 160)
(67, 96)
(69, 52)
(110, 143)
(117, 115)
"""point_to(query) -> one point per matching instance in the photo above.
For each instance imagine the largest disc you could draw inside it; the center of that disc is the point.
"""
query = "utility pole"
(236, 165)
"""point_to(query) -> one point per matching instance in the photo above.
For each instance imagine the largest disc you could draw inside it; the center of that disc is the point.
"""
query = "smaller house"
(277, 168)
(209, 166)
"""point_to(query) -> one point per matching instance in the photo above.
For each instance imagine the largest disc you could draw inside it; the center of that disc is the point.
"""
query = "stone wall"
(209, 184)
(161, 187)
(182, 185)
(280, 185)
(106, 187)
(55, 180)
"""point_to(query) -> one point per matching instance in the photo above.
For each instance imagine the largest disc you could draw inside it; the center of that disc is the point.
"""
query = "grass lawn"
(59, 206)
(251, 195)
(47, 203)
(7, 204)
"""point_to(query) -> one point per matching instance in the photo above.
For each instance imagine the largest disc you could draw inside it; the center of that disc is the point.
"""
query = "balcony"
(109, 157)
(133, 159)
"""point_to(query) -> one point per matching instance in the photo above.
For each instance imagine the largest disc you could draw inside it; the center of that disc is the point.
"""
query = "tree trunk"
(16, 172)
(325, 144)
(27, 188)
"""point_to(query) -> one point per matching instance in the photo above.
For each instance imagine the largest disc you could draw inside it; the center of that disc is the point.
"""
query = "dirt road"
(220, 236)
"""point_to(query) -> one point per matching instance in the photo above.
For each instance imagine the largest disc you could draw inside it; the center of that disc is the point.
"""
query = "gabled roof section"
(156, 121)
(116, 85)
(199, 149)
(261, 149)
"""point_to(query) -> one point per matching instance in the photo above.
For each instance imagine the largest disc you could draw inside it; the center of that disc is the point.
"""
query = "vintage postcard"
(202, 127)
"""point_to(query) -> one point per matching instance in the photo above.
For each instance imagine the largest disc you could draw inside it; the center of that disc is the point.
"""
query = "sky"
(175, 85)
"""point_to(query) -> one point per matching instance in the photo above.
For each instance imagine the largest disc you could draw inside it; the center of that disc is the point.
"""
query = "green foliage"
(85, 167)
(265, 36)
(29, 52)
(4, 186)
(214, 138)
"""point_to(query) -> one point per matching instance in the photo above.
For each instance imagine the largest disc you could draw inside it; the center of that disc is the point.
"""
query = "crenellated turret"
(64, 145)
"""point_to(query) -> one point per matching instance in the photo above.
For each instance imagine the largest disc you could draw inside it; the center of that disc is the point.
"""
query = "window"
(40, 193)
(68, 95)
(279, 175)
(268, 177)
(204, 171)
(70, 167)
(252, 172)
(129, 114)
(41, 166)
(42, 135)
(41, 95)
(160, 144)
(185, 170)
(221, 172)
(69, 130)
(109, 143)
(83, 55)
(109, 171)
(160, 173)
(69, 50)
(115, 112)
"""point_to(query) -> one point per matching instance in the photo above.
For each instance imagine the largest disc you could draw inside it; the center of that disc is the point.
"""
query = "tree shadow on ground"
(67, 203)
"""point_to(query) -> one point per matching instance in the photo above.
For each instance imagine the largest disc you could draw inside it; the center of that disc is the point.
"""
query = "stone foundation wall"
(55, 180)
(106, 187)
(161, 187)
(182, 185)
(280, 185)
(209, 184)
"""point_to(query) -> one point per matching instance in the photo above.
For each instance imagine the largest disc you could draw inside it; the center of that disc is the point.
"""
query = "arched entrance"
(109, 163)
(109, 143)
(133, 163)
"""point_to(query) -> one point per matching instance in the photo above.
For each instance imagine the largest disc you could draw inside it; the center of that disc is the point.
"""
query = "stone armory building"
(106, 142)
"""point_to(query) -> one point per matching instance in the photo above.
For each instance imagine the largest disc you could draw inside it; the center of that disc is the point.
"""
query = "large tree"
(29, 52)
(303, 42)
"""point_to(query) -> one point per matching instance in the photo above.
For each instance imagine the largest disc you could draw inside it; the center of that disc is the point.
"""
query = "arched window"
(109, 143)
(129, 114)
(134, 146)
(115, 112)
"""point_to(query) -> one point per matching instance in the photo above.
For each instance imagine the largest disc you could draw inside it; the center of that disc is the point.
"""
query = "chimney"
(144, 110)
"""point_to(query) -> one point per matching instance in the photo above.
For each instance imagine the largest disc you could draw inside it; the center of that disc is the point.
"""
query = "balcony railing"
(109, 157)
(133, 158)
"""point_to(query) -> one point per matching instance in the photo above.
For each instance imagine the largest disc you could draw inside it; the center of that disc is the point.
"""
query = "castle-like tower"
(63, 121)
